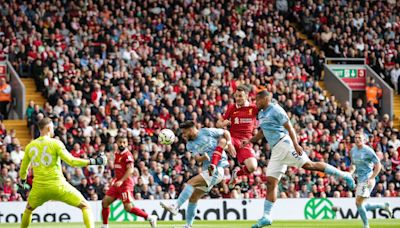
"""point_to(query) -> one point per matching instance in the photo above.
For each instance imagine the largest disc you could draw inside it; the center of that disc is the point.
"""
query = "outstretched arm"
(293, 136)
(71, 160)
(26, 161)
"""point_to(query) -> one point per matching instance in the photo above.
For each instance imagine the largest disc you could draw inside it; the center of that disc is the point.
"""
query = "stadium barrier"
(18, 91)
(221, 209)
(346, 79)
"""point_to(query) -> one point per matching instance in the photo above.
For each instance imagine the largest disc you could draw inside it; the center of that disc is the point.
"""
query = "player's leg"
(246, 158)
(363, 191)
(27, 216)
(362, 211)
(328, 169)
(217, 155)
(192, 207)
(35, 199)
(105, 203)
(127, 200)
(196, 181)
(68, 194)
(275, 170)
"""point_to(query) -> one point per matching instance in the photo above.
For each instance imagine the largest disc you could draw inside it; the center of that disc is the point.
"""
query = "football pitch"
(378, 223)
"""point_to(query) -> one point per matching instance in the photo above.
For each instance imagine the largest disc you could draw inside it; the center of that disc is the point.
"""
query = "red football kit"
(123, 160)
(243, 121)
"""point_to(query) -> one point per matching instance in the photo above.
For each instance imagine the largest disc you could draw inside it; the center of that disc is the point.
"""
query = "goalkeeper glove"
(25, 185)
(101, 159)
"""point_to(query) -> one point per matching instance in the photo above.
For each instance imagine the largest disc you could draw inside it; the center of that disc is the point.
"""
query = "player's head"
(122, 142)
(262, 99)
(189, 131)
(241, 95)
(46, 126)
(359, 138)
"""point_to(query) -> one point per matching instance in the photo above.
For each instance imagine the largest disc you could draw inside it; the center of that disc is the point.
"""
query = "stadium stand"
(134, 68)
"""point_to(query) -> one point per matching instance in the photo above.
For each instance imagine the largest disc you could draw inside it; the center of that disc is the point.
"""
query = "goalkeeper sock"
(185, 195)
(105, 213)
(26, 218)
(139, 212)
(87, 217)
(217, 155)
(267, 207)
(243, 172)
(363, 214)
(374, 206)
(191, 213)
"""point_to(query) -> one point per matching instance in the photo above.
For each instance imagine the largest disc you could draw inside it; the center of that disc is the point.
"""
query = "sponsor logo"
(319, 208)
(118, 213)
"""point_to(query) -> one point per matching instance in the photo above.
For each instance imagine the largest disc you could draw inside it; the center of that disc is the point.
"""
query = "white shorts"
(207, 178)
(364, 190)
(283, 154)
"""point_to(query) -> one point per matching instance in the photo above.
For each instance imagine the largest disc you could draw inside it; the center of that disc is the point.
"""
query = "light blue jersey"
(271, 122)
(364, 159)
(205, 142)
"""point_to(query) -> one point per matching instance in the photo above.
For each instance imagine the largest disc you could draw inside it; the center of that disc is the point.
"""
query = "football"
(166, 137)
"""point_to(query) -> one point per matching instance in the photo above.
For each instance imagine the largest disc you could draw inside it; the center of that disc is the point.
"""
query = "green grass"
(374, 223)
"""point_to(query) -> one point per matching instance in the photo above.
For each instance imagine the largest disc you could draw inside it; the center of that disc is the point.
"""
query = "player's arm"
(226, 142)
(128, 173)
(201, 158)
(293, 136)
(26, 161)
(224, 121)
(254, 139)
(377, 166)
(352, 168)
(72, 161)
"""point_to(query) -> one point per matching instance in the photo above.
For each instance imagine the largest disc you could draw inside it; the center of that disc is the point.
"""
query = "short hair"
(44, 122)
(121, 137)
(243, 88)
(187, 124)
(263, 93)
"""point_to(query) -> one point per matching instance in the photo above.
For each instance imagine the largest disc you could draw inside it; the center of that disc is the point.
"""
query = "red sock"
(217, 155)
(105, 212)
(139, 212)
(243, 172)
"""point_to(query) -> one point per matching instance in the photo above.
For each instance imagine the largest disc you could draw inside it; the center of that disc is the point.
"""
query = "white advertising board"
(221, 209)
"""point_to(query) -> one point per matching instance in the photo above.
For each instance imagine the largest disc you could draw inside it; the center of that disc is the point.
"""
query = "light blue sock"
(185, 195)
(374, 206)
(191, 213)
(363, 214)
(333, 171)
(267, 207)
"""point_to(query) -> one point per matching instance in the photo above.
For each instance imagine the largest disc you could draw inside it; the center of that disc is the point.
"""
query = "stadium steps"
(21, 129)
(20, 126)
(31, 93)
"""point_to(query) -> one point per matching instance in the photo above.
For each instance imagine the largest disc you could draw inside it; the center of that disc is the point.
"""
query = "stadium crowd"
(363, 29)
(134, 68)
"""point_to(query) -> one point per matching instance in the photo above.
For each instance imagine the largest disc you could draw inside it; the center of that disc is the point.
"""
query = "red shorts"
(123, 193)
(242, 153)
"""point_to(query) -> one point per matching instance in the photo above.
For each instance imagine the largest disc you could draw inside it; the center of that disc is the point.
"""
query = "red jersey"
(243, 120)
(122, 160)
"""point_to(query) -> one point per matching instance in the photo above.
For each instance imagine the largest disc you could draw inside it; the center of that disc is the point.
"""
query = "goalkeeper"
(44, 154)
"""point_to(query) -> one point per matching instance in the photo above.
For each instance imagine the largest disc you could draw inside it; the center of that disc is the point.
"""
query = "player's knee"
(127, 206)
(83, 204)
(222, 142)
(309, 165)
(104, 203)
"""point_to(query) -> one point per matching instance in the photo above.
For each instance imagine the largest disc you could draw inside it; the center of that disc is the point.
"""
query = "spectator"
(5, 97)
